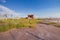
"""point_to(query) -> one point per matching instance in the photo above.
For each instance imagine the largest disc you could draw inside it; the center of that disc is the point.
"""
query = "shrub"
(57, 25)
(50, 23)
(19, 25)
(4, 28)
(16, 23)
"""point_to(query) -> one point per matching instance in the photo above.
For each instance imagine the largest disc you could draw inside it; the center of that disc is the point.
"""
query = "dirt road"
(39, 32)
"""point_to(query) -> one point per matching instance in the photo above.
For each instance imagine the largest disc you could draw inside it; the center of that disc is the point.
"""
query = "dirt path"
(40, 32)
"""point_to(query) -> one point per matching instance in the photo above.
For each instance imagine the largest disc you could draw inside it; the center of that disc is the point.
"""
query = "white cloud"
(3, 1)
(5, 10)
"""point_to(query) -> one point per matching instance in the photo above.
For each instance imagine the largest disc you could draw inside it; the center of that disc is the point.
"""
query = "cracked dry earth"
(39, 32)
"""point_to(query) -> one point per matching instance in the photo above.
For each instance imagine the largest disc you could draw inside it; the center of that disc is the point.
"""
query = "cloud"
(5, 10)
(3, 1)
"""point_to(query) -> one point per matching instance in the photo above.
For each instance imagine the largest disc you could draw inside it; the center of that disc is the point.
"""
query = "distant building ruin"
(30, 17)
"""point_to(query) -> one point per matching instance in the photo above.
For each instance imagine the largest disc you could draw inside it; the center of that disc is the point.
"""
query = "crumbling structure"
(30, 17)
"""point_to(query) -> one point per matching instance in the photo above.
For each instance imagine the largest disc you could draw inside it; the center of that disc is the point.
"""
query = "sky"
(40, 8)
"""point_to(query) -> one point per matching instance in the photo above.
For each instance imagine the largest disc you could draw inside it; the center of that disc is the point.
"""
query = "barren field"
(39, 32)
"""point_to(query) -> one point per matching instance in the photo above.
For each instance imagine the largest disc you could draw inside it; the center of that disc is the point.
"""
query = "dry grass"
(16, 23)
(53, 23)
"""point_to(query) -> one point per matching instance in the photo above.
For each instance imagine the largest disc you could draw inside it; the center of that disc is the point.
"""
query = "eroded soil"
(39, 32)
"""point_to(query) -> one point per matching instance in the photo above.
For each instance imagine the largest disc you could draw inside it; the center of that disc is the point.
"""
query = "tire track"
(35, 35)
(12, 36)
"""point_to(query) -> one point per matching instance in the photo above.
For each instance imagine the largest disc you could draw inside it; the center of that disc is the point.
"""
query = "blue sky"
(40, 8)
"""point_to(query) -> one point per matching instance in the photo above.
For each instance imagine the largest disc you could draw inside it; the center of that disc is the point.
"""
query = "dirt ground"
(39, 32)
